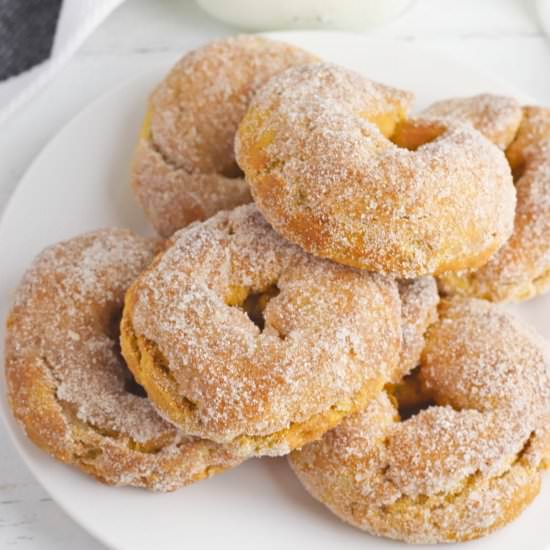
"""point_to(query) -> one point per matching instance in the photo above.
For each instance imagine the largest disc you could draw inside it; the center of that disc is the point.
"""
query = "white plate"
(80, 182)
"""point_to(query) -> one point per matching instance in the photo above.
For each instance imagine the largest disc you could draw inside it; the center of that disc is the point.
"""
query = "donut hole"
(518, 172)
(385, 122)
(517, 165)
(256, 302)
(252, 303)
(411, 395)
(113, 331)
(133, 388)
(232, 171)
(411, 136)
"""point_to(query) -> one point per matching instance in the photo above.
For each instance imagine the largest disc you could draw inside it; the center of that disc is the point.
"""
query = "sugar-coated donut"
(461, 468)
(521, 268)
(538, 452)
(241, 337)
(315, 150)
(496, 117)
(184, 168)
(67, 384)
(419, 300)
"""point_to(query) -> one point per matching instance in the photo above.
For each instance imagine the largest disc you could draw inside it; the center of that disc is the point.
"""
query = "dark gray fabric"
(27, 30)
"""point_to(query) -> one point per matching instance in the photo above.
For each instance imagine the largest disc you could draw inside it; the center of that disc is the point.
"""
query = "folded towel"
(37, 37)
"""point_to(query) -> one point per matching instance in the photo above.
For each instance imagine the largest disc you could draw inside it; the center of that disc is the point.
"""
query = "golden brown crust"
(521, 268)
(241, 337)
(538, 452)
(314, 150)
(419, 300)
(496, 117)
(184, 168)
(445, 474)
(67, 385)
(173, 198)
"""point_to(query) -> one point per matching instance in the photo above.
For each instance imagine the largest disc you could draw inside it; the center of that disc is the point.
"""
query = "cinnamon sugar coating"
(419, 300)
(68, 386)
(243, 338)
(461, 468)
(521, 268)
(496, 117)
(184, 167)
(315, 150)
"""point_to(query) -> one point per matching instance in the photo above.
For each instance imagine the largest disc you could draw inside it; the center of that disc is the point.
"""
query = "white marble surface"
(500, 37)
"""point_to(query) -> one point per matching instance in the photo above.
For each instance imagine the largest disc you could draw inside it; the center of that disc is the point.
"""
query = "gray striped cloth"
(27, 30)
(37, 38)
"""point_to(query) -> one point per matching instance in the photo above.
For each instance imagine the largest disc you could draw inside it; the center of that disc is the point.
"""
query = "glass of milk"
(260, 15)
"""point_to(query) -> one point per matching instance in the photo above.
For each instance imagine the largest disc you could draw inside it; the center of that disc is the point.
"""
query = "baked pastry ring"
(241, 337)
(456, 470)
(521, 268)
(184, 168)
(496, 117)
(67, 384)
(314, 148)
(419, 301)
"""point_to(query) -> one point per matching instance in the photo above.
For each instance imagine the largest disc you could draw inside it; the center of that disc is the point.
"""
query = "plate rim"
(10, 424)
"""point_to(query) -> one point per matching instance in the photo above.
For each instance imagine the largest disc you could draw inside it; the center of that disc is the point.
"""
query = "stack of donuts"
(322, 286)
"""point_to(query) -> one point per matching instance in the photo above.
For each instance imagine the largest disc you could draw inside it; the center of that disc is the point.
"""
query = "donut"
(419, 300)
(315, 150)
(184, 167)
(242, 338)
(538, 452)
(521, 268)
(460, 468)
(67, 384)
(496, 117)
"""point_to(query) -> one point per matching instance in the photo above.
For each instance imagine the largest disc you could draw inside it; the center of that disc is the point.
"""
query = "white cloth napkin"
(77, 19)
